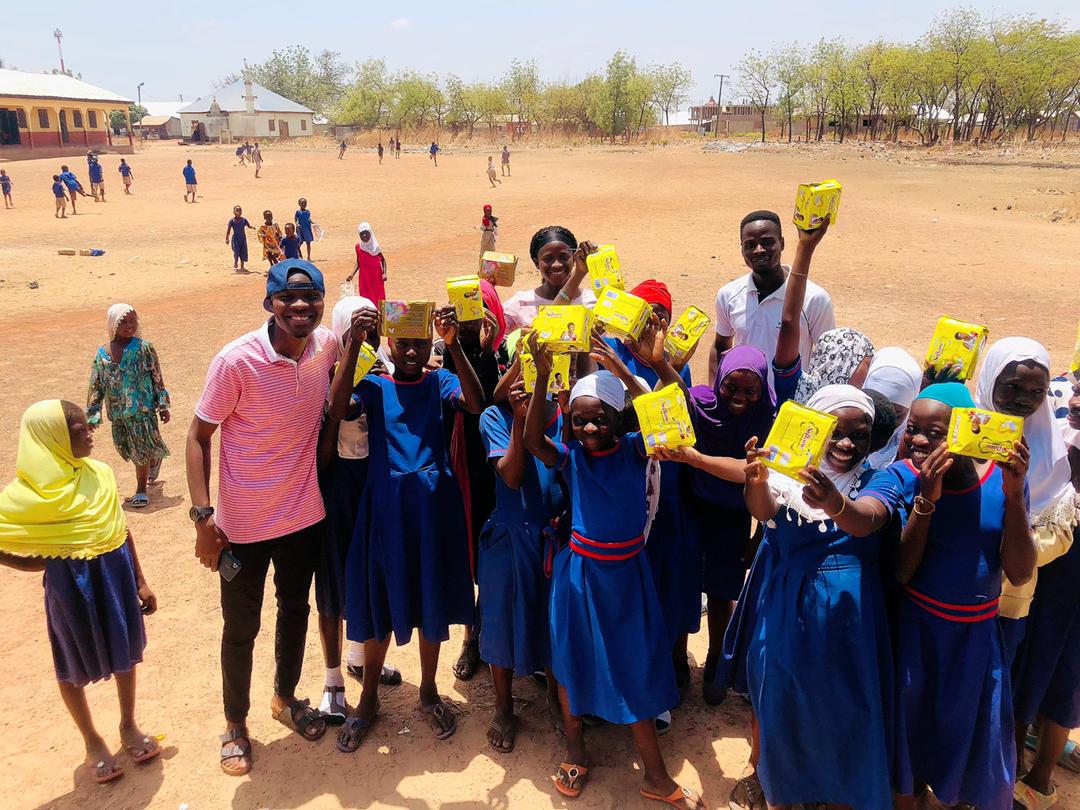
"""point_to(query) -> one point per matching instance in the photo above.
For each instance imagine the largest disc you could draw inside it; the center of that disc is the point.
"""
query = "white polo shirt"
(739, 313)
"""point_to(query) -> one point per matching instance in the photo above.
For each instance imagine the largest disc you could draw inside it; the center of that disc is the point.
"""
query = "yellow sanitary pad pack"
(560, 373)
(1074, 366)
(683, 335)
(622, 314)
(604, 269)
(664, 419)
(498, 268)
(797, 439)
(956, 343)
(983, 434)
(464, 294)
(815, 201)
(405, 319)
(564, 328)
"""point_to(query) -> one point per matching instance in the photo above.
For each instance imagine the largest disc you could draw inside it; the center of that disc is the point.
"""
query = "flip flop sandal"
(235, 744)
(333, 708)
(1028, 798)
(570, 779)
(507, 734)
(353, 733)
(103, 772)
(299, 716)
(144, 753)
(680, 797)
(747, 795)
(442, 721)
(139, 501)
(468, 662)
(390, 676)
(663, 723)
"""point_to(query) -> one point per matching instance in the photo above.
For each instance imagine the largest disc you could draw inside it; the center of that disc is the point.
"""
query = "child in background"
(493, 177)
(380, 153)
(125, 172)
(302, 217)
(343, 465)
(236, 237)
(433, 153)
(341, 149)
(397, 148)
(370, 270)
(97, 180)
(190, 182)
(5, 187)
(256, 158)
(126, 376)
(513, 586)
(290, 244)
(74, 187)
(240, 155)
(408, 563)
(506, 160)
(270, 237)
(611, 651)
(61, 197)
(62, 515)
(967, 525)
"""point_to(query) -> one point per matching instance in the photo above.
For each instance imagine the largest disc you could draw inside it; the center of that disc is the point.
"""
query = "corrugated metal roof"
(155, 120)
(163, 107)
(49, 85)
(231, 99)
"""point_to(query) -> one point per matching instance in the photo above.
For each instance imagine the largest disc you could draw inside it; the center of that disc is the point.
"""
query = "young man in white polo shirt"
(748, 309)
(265, 391)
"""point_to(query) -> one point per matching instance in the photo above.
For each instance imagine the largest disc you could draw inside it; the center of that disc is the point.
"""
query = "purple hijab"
(719, 432)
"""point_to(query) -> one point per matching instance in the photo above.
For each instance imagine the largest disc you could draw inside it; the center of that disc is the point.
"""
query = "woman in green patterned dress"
(126, 377)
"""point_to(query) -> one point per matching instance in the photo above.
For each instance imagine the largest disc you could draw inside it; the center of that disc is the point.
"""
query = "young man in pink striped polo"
(265, 391)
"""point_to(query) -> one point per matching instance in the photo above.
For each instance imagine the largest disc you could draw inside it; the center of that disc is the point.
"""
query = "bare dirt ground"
(916, 238)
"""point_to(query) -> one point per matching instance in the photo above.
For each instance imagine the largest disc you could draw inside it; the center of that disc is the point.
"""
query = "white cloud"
(400, 24)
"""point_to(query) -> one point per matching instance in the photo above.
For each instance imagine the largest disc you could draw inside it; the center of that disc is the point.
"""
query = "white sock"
(356, 654)
(334, 676)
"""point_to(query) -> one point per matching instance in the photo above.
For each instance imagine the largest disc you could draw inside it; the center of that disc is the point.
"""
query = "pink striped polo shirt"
(270, 409)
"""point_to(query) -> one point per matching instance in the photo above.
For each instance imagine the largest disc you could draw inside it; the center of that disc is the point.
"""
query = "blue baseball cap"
(278, 278)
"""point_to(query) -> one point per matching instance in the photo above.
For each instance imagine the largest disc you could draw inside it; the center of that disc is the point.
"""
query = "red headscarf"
(492, 302)
(654, 292)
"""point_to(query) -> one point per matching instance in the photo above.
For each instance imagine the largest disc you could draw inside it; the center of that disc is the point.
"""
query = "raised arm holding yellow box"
(464, 294)
(956, 344)
(605, 270)
(621, 314)
(797, 439)
(984, 434)
(815, 201)
(405, 319)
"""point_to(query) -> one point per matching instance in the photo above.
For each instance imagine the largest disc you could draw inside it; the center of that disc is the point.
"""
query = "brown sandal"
(236, 745)
(570, 779)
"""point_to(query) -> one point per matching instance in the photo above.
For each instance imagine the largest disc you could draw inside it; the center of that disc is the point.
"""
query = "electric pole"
(719, 96)
(59, 36)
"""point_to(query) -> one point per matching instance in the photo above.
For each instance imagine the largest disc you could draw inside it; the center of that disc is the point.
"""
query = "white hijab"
(788, 491)
(1049, 478)
(897, 376)
(604, 386)
(115, 315)
(371, 246)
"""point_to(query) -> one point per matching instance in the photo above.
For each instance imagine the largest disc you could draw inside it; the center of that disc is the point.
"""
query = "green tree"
(671, 85)
(366, 102)
(789, 69)
(521, 89)
(315, 80)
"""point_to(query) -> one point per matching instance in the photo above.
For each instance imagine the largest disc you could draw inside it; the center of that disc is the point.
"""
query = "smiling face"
(594, 424)
(297, 312)
(740, 390)
(410, 355)
(1020, 388)
(268, 217)
(850, 441)
(555, 260)
(927, 427)
(79, 431)
(762, 245)
(128, 326)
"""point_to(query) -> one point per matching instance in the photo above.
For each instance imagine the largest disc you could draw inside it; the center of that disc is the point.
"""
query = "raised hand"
(1014, 471)
(446, 325)
(820, 492)
(932, 472)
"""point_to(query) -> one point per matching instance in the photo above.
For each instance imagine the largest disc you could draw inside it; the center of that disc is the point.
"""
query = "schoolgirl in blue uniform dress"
(514, 559)
(967, 524)
(407, 566)
(610, 650)
(819, 663)
(673, 543)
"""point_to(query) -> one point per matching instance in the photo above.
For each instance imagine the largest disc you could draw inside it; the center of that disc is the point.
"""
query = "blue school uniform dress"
(954, 708)
(97, 172)
(819, 665)
(515, 555)
(673, 544)
(408, 565)
(189, 175)
(609, 643)
(238, 240)
(303, 225)
(291, 247)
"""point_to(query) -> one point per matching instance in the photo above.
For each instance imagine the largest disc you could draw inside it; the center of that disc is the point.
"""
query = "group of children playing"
(67, 188)
(299, 233)
(889, 633)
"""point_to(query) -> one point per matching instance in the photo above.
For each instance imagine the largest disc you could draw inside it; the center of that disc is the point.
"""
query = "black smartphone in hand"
(228, 566)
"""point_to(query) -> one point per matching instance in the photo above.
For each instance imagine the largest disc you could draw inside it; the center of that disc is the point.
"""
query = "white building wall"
(257, 125)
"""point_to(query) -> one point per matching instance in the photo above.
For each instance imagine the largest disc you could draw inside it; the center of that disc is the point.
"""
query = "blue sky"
(182, 48)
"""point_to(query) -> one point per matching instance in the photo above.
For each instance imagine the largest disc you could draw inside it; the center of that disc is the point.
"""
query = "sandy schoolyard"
(915, 239)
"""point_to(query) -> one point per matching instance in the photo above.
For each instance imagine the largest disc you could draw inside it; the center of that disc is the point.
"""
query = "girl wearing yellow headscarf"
(62, 515)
